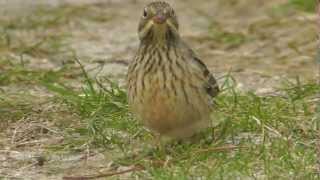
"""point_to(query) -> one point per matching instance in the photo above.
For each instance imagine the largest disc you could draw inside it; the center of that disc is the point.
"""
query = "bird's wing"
(211, 85)
(208, 81)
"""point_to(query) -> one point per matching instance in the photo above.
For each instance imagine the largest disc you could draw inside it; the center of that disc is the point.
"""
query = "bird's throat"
(160, 33)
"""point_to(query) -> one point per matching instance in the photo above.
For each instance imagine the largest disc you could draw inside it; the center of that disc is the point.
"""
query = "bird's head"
(158, 22)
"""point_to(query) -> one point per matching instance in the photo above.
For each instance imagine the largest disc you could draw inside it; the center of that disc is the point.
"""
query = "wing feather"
(210, 83)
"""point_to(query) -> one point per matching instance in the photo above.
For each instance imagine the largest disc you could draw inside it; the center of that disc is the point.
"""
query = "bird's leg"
(157, 143)
(212, 133)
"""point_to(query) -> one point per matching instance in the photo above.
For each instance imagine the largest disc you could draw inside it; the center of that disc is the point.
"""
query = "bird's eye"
(145, 13)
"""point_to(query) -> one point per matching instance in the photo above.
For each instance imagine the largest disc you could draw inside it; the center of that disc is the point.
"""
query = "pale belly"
(177, 115)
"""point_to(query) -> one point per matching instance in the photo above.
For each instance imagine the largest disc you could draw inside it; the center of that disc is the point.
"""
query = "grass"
(305, 5)
(17, 104)
(308, 6)
(44, 31)
(15, 72)
(47, 17)
(228, 39)
(42, 46)
(104, 109)
(271, 136)
(12, 109)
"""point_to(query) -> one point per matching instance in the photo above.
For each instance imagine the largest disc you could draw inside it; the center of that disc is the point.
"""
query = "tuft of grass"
(301, 5)
(257, 137)
(304, 5)
(16, 73)
(103, 108)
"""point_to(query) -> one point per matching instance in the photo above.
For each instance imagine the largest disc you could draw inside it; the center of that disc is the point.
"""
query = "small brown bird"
(169, 88)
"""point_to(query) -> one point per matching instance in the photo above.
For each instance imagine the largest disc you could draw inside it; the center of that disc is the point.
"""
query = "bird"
(170, 90)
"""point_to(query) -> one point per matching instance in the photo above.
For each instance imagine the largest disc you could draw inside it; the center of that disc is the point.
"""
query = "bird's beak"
(159, 19)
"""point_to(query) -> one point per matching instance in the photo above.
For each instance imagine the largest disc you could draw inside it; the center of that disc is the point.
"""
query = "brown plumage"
(169, 88)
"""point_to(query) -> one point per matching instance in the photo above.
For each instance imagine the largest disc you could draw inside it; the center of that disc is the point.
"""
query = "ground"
(63, 108)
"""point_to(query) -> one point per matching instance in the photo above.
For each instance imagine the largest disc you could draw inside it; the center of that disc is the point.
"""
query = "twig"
(318, 154)
(13, 138)
(318, 77)
(120, 62)
(30, 142)
(135, 168)
(222, 148)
